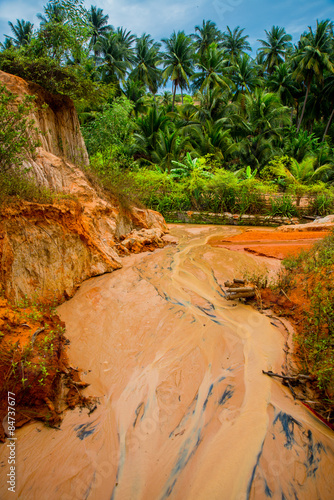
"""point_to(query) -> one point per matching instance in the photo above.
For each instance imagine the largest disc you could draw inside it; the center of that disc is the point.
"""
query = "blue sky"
(161, 17)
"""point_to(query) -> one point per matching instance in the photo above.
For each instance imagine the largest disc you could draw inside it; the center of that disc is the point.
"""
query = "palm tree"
(206, 34)
(114, 60)
(260, 63)
(146, 60)
(235, 43)
(274, 48)
(116, 54)
(169, 146)
(329, 95)
(212, 139)
(126, 40)
(313, 57)
(314, 109)
(178, 61)
(211, 70)
(99, 25)
(265, 112)
(185, 117)
(304, 172)
(282, 82)
(23, 31)
(259, 125)
(7, 44)
(256, 151)
(167, 99)
(54, 13)
(299, 145)
(135, 92)
(148, 128)
(245, 75)
(213, 103)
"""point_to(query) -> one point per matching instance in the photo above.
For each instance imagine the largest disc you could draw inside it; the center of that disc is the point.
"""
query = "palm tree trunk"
(174, 92)
(297, 112)
(304, 105)
(181, 94)
(242, 98)
(328, 125)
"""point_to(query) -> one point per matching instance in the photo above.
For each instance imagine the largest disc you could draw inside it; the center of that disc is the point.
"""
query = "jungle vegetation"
(236, 124)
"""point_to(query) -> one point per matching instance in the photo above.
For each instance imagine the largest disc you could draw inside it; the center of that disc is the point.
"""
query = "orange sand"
(184, 410)
(268, 243)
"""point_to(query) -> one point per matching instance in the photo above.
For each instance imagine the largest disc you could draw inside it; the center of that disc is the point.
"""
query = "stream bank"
(183, 410)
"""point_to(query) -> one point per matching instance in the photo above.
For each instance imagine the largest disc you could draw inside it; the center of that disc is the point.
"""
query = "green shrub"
(46, 72)
(16, 131)
(314, 272)
(322, 204)
(283, 206)
(16, 185)
(113, 126)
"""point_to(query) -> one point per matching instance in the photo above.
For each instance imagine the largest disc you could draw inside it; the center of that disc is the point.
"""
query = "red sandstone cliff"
(47, 250)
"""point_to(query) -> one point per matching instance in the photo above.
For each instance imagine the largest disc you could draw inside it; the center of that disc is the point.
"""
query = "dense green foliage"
(266, 119)
(16, 185)
(313, 272)
(111, 129)
(201, 186)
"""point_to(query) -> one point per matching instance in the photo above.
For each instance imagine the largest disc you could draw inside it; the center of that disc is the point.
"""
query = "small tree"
(16, 131)
(111, 127)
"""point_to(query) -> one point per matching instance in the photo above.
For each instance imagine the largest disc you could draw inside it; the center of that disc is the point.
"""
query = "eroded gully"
(184, 410)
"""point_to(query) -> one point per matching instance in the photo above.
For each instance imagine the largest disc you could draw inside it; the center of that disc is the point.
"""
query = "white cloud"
(20, 9)
(159, 18)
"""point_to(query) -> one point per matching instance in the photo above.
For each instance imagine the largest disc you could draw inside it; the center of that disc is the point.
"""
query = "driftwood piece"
(241, 289)
(235, 283)
(238, 290)
(309, 217)
(82, 385)
(37, 332)
(295, 378)
(241, 295)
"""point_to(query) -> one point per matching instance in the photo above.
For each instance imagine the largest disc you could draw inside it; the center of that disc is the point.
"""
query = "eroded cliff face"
(55, 118)
(47, 250)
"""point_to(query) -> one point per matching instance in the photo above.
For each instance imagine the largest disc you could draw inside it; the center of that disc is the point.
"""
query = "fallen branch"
(285, 295)
(82, 385)
(37, 332)
(243, 295)
(296, 378)
(241, 289)
(238, 290)
(235, 283)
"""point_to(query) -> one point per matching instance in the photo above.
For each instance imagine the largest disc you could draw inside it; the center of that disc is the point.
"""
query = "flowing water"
(184, 410)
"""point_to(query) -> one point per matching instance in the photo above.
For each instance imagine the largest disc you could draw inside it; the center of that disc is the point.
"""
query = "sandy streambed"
(184, 410)
(273, 243)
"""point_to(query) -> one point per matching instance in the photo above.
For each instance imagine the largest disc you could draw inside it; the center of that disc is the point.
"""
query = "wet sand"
(184, 410)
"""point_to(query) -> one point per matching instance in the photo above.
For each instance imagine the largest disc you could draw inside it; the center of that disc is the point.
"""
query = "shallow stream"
(184, 410)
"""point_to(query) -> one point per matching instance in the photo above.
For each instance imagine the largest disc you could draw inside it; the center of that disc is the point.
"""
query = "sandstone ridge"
(48, 250)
